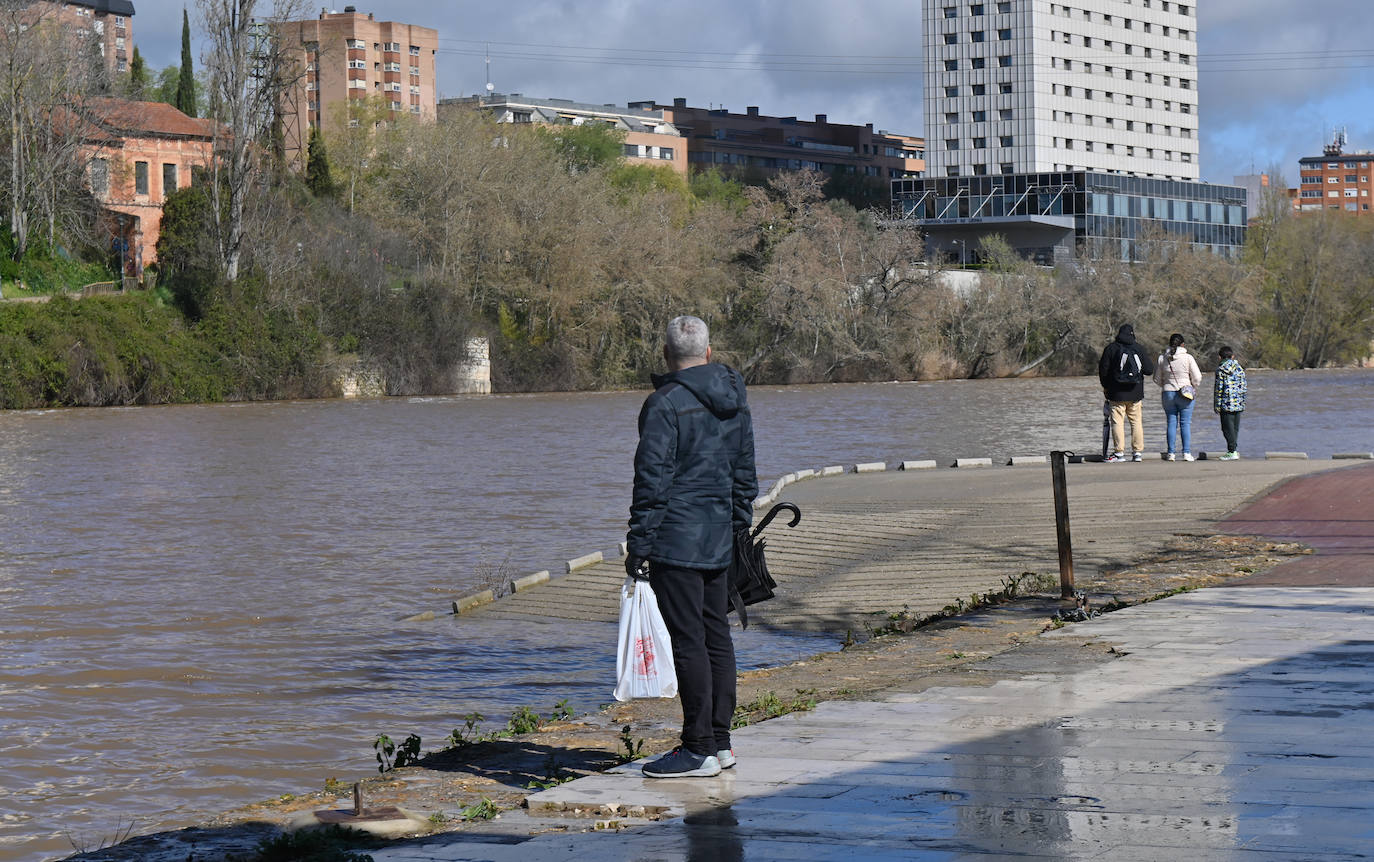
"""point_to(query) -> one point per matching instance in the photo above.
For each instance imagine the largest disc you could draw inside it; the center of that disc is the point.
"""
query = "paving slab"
(1198, 744)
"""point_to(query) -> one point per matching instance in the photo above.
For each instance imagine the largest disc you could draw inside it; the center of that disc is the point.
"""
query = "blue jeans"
(1178, 414)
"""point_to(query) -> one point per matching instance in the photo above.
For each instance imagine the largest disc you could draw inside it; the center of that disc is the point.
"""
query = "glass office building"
(1050, 217)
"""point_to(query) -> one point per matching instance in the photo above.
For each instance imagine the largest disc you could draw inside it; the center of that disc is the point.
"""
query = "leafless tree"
(48, 72)
(245, 63)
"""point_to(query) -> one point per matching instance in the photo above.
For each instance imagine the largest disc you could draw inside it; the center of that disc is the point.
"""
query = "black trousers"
(1230, 429)
(694, 604)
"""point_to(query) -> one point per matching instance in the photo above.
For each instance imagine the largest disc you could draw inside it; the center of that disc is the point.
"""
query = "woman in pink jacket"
(1178, 374)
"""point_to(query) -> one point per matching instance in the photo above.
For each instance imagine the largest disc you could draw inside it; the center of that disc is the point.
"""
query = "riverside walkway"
(873, 543)
(1223, 724)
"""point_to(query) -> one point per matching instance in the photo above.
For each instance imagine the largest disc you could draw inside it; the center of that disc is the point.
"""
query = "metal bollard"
(1061, 522)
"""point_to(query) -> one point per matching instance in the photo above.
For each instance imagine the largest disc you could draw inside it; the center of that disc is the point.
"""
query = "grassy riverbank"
(133, 349)
(462, 788)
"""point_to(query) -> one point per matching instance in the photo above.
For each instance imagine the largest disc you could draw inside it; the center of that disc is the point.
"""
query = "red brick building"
(1336, 180)
(137, 154)
(106, 26)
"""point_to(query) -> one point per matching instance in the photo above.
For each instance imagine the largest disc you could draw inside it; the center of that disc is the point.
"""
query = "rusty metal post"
(1061, 522)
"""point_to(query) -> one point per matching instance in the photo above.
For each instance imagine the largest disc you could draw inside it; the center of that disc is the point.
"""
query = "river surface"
(199, 605)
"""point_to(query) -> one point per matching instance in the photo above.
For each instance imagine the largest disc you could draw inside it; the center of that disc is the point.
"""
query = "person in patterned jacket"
(1228, 399)
(694, 488)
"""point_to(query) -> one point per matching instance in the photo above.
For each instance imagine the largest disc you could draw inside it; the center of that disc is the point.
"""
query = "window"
(140, 178)
(980, 143)
(414, 50)
(1352, 178)
(1008, 168)
(980, 89)
(980, 62)
(665, 153)
(951, 117)
(1004, 87)
(951, 38)
(1004, 141)
(951, 143)
(951, 65)
(952, 171)
(100, 177)
(951, 12)
(1004, 114)
(976, 9)
(980, 170)
(1332, 180)
(169, 180)
(1004, 7)
(1004, 35)
(951, 92)
(982, 116)
(977, 36)
(357, 64)
(357, 44)
(1004, 61)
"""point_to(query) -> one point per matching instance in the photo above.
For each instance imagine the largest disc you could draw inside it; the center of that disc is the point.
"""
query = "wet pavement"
(1222, 724)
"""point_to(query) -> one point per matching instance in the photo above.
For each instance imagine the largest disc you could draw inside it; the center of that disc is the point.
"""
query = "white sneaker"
(1188, 456)
(1138, 456)
(1168, 456)
(726, 757)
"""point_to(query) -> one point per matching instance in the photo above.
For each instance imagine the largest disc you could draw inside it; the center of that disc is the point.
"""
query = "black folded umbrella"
(750, 582)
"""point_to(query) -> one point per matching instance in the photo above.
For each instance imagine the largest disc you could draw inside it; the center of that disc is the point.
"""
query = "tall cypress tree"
(317, 176)
(186, 84)
(138, 76)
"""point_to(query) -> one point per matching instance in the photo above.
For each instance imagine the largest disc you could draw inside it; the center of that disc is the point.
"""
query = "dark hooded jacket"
(1123, 346)
(694, 469)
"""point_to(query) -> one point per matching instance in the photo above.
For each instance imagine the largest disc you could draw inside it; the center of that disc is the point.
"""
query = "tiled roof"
(148, 119)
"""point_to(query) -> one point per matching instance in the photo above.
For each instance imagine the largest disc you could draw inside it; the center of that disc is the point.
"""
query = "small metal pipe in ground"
(1061, 522)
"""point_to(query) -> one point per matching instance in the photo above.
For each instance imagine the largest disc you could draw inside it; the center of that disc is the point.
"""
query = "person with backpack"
(1178, 376)
(1122, 371)
(1228, 400)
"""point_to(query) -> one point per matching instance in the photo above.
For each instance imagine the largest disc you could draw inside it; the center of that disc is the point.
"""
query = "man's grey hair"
(688, 338)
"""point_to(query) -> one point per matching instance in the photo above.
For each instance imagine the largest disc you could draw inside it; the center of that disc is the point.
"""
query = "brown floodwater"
(200, 606)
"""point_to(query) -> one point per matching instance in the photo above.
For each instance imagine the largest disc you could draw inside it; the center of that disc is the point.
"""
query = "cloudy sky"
(1276, 76)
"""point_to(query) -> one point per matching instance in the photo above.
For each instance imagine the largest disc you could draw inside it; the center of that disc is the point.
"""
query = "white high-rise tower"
(1022, 86)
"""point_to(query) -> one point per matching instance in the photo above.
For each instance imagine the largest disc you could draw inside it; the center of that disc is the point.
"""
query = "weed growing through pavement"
(769, 705)
(484, 810)
(1117, 604)
(634, 749)
(904, 621)
(523, 720)
(466, 735)
(561, 711)
(392, 756)
(553, 775)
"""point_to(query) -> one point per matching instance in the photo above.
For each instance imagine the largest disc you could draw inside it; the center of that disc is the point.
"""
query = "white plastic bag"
(644, 656)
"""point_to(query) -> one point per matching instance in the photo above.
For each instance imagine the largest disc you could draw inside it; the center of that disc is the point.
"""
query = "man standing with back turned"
(694, 487)
(1122, 371)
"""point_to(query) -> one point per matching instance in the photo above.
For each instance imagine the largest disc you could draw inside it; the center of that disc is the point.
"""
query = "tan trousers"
(1123, 411)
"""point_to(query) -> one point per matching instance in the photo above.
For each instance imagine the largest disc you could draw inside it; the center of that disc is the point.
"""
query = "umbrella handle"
(773, 513)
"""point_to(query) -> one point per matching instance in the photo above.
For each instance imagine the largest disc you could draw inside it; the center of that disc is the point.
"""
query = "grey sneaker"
(726, 757)
(681, 763)
(1138, 456)
(1168, 456)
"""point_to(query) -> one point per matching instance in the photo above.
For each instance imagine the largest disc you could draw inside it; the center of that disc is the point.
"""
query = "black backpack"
(1128, 367)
